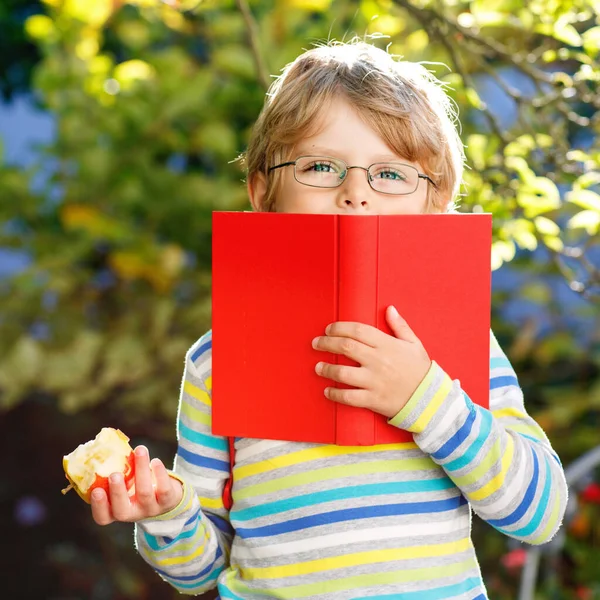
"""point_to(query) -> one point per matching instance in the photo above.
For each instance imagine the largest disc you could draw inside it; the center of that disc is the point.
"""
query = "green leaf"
(475, 150)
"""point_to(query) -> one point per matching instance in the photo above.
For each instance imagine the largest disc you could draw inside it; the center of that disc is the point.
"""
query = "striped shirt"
(337, 522)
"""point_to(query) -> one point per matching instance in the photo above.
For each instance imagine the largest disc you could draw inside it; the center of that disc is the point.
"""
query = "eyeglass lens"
(326, 172)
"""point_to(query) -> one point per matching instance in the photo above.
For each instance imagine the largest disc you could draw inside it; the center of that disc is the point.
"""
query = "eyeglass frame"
(348, 167)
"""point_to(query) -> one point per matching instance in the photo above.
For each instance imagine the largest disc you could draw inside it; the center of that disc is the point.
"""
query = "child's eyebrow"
(322, 151)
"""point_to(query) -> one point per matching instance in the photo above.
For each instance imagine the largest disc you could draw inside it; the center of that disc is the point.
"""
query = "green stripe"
(335, 472)
(336, 585)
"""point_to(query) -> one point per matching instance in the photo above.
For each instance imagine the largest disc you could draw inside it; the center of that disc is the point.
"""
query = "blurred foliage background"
(151, 102)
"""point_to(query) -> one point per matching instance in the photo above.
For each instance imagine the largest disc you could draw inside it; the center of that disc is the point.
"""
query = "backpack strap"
(227, 497)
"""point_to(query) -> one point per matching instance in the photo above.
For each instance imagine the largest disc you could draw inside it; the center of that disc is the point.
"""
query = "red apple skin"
(102, 482)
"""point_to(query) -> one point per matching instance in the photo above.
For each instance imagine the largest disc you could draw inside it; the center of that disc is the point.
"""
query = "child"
(347, 129)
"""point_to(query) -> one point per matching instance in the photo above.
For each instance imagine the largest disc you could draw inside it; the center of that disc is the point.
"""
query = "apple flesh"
(89, 466)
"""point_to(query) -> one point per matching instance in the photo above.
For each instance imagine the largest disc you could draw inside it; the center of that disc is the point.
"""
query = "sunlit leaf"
(537, 196)
(40, 27)
(591, 41)
(586, 219)
(129, 72)
(94, 12)
(585, 198)
(546, 226)
(310, 5)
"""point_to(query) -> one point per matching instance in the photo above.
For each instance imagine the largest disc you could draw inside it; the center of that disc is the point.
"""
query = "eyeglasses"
(392, 178)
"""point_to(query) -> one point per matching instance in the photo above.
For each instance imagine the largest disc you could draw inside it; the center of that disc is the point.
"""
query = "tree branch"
(253, 37)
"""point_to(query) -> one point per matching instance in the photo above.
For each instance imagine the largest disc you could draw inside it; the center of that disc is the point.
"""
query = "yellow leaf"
(546, 226)
(585, 198)
(586, 219)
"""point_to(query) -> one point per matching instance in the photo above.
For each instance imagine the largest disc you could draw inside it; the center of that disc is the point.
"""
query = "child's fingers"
(119, 498)
(168, 490)
(144, 491)
(101, 512)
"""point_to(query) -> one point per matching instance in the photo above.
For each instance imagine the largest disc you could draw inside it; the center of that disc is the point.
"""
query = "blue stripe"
(189, 586)
(352, 514)
(227, 594)
(202, 573)
(440, 593)
(475, 447)
(201, 349)
(357, 491)
(152, 540)
(525, 503)
(541, 509)
(500, 362)
(458, 438)
(203, 461)
(503, 381)
(208, 441)
(220, 523)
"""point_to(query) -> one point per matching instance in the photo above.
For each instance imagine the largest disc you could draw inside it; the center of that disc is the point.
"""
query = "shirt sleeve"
(189, 546)
(500, 459)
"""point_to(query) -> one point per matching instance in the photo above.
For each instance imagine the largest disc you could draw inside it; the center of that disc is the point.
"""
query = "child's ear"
(257, 190)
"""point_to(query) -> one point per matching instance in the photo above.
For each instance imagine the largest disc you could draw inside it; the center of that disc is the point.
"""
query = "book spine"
(357, 302)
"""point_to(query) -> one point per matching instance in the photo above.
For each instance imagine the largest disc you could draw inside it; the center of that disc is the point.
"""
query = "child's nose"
(355, 192)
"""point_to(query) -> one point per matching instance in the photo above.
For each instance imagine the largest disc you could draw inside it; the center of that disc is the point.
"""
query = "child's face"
(347, 137)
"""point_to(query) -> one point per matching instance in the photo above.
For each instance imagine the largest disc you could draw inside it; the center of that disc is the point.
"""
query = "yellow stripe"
(496, 483)
(210, 502)
(179, 560)
(317, 453)
(552, 521)
(355, 560)
(195, 414)
(349, 583)
(531, 430)
(482, 468)
(197, 393)
(434, 404)
(168, 515)
(509, 412)
(208, 383)
(335, 472)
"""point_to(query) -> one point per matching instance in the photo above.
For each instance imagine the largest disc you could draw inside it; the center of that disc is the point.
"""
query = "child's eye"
(320, 167)
(390, 173)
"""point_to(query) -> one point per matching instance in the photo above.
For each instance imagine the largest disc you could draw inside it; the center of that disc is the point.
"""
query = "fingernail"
(395, 312)
(326, 392)
(115, 477)
(327, 329)
(97, 494)
(315, 342)
(141, 451)
(319, 367)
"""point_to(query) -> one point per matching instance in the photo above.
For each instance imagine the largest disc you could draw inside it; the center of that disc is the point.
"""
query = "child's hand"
(391, 368)
(149, 500)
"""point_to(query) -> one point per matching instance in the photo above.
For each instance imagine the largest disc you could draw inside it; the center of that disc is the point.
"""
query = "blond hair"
(402, 101)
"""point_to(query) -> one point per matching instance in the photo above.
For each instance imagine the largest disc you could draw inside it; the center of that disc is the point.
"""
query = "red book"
(280, 279)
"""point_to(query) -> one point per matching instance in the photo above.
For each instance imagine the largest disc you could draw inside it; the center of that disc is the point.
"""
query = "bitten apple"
(89, 465)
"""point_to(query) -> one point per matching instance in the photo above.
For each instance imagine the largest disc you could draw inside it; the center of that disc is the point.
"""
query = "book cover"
(280, 279)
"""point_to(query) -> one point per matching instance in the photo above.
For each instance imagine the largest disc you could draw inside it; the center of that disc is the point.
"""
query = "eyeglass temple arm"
(423, 176)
